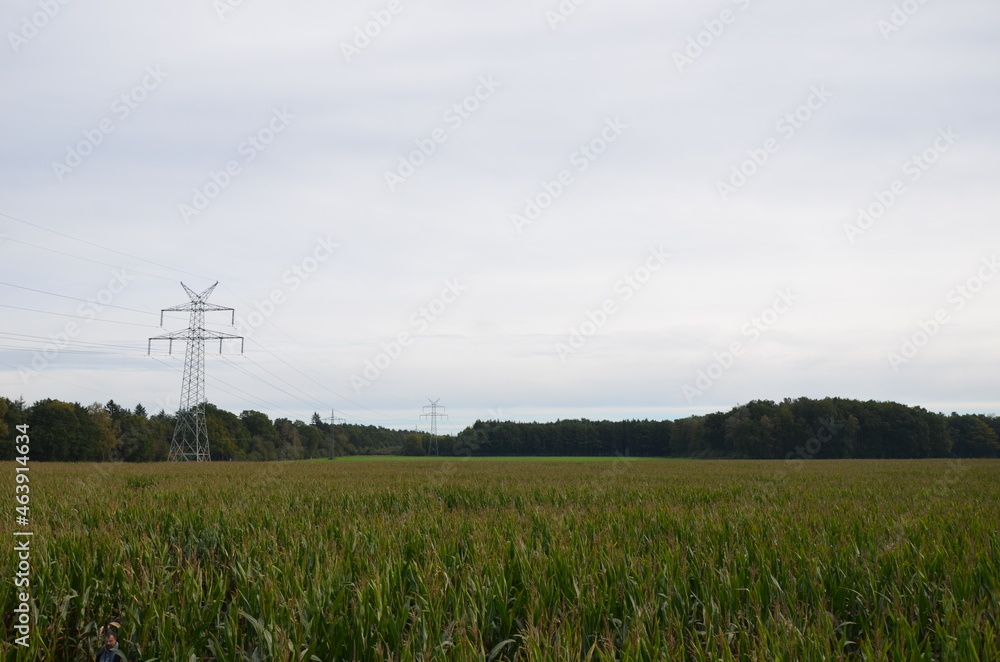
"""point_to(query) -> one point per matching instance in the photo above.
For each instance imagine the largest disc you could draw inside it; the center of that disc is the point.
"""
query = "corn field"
(490, 560)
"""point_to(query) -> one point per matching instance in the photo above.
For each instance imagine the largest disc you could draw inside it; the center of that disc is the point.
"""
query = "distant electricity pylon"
(432, 446)
(190, 440)
(334, 421)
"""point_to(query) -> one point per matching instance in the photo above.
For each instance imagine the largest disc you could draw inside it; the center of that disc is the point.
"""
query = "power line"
(46, 312)
(80, 386)
(245, 394)
(63, 296)
(85, 259)
(266, 383)
(62, 351)
(259, 402)
(90, 243)
(62, 341)
(322, 405)
(321, 385)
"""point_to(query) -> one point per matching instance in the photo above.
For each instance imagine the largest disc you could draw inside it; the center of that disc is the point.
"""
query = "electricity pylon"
(334, 421)
(190, 440)
(432, 446)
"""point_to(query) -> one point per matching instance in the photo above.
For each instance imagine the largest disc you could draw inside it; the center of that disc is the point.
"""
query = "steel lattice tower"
(190, 440)
(432, 445)
(334, 422)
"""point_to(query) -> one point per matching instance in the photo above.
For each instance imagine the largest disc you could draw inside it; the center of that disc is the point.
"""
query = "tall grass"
(507, 560)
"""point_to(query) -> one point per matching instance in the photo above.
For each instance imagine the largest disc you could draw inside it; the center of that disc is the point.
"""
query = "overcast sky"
(527, 210)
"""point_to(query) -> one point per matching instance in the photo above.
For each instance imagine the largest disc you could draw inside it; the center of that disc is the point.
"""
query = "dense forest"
(791, 429)
(799, 429)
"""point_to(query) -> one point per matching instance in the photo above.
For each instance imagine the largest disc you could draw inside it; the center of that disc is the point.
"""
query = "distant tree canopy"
(69, 432)
(791, 429)
(799, 429)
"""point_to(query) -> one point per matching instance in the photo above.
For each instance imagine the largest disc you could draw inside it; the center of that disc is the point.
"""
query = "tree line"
(791, 429)
(801, 429)
(69, 432)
